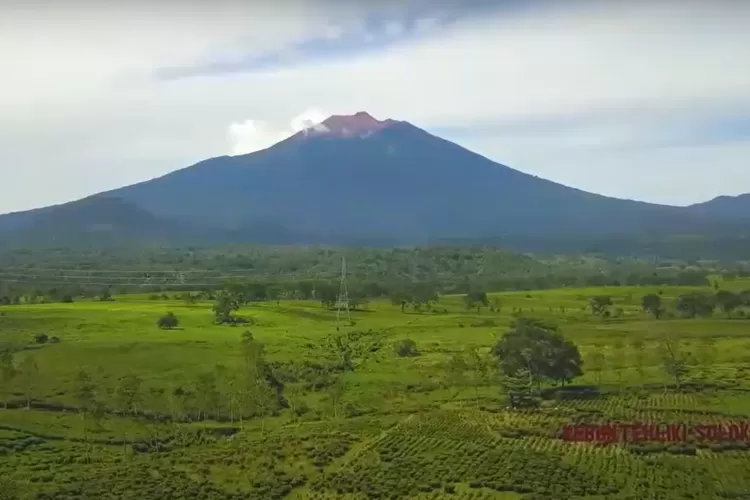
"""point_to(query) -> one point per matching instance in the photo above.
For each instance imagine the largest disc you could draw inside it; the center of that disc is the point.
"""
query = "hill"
(725, 206)
(354, 180)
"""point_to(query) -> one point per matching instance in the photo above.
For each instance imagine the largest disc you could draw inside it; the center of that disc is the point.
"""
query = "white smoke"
(253, 135)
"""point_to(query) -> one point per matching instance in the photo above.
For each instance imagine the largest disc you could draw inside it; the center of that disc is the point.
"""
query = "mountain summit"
(360, 124)
(356, 180)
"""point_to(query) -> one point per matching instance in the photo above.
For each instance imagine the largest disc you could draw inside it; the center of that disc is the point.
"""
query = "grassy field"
(397, 427)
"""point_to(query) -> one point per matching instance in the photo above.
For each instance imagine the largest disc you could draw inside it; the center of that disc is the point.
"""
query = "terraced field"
(392, 427)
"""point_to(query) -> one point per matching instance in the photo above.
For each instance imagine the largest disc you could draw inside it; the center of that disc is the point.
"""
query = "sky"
(640, 100)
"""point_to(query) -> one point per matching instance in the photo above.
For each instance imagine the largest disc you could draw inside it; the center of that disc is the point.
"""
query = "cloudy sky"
(643, 100)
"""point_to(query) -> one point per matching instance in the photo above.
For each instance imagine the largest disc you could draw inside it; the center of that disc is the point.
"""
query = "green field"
(393, 427)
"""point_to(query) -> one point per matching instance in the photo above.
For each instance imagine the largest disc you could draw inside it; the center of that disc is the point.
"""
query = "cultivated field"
(434, 425)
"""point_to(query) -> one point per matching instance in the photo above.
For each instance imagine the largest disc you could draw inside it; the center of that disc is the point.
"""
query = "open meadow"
(116, 407)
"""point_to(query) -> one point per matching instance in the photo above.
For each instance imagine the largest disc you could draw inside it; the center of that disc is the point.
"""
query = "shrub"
(407, 348)
(168, 321)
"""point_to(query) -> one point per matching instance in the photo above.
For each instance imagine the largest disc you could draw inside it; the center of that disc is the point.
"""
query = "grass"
(403, 429)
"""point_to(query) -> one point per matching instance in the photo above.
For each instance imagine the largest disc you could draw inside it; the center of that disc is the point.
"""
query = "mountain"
(738, 206)
(356, 180)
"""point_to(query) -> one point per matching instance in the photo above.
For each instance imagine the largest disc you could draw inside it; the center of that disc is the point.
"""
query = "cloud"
(620, 98)
(249, 136)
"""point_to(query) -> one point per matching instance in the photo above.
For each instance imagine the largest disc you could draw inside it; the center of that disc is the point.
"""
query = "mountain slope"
(357, 180)
(732, 206)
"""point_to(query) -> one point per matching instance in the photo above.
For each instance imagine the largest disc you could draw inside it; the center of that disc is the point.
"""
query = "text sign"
(644, 432)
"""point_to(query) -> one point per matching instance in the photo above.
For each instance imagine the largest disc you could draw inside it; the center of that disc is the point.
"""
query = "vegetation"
(258, 391)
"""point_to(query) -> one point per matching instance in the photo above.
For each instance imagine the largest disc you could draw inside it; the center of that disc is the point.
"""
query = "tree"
(336, 394)
(343, 350)
(674, 359)
(695, 304)
(540, 349)
(168, 321)
(86, 397)
(128, 393)
(226, 303)
(207, 392)
(596, 362)
(401, 299)
(476, 299)
(481, 369)
(29, 372)
(651, 304)
(639, 347)
(8, 372)
(260, 390)
(728, 301)
(329, 295)
(618, 361)
(455, 372)
(599, 304)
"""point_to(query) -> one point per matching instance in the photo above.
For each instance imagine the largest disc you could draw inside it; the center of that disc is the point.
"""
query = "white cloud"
(79, 106)
(249, 136)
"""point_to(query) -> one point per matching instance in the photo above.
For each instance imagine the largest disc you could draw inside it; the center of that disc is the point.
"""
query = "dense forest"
(279, 272)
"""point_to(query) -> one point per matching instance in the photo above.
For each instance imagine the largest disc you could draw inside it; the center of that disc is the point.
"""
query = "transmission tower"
(343, 300)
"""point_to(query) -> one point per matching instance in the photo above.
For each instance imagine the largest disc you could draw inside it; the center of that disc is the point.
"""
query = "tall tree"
(476, 299)
(599, 304)
(29, 372)
(695, 304)
(675, 360)
(8, 372)
(651, 304)
(538, 347)
(226, 303)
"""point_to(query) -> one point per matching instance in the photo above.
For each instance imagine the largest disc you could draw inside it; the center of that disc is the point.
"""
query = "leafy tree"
(207, 392)
(85, 396)
(540, 349)
(336, 393)
(599, 304)
(260, 390)
(29, 372)
(406, 348)
(8, 372)
(343, 349)
(728, 301)
(455, 372)
(596, 362)
(168, 321)
(128, 393)
(638, 348)
(695, 304)
(476, 299)
(400, 299)
(226, 303)
(329, 295)
(651, 304)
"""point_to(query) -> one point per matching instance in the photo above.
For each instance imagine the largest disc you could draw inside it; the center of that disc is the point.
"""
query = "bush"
(168, 321)
(406, 348)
